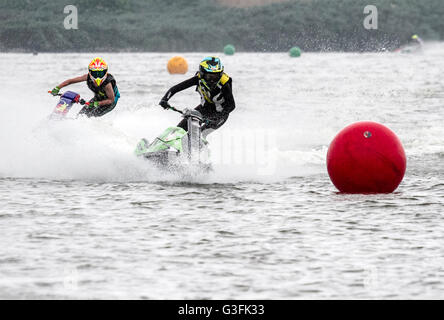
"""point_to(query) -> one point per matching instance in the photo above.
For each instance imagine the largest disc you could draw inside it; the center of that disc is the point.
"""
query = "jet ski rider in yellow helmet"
(101, 83)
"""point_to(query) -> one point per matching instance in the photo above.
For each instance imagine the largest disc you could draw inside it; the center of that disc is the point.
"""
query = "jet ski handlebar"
(188, 112)
(79, 100)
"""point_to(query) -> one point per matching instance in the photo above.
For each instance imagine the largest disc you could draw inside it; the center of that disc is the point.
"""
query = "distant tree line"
(205, 25)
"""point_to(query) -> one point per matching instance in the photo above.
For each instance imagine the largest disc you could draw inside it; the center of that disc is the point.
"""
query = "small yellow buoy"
(177, 65)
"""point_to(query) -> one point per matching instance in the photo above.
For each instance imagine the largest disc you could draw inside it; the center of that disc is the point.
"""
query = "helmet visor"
(98, 73)
(212, 78)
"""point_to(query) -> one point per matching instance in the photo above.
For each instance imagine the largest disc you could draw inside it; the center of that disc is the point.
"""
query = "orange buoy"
(177, 65)
(366, 157)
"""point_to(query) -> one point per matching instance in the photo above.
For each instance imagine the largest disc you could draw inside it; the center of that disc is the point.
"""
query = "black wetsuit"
(215, 104)
(99, 95)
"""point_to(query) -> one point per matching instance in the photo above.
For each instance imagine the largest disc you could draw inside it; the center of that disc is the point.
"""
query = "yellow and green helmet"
(211, 70)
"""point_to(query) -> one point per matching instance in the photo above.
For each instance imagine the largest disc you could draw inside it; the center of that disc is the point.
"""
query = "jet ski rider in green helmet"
(214, 87)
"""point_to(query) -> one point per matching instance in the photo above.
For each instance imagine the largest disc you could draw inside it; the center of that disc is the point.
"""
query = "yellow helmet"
(98, 70)
(415, 36)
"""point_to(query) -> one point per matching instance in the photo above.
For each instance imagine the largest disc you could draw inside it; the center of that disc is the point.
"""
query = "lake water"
(82, 217)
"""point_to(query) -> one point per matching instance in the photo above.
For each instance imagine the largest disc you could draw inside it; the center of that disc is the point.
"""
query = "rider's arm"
(194, 81)
(73, 80)
(110, 94)
(229, 103)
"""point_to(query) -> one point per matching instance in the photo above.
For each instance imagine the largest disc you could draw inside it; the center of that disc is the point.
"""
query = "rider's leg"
(215, 124)
(98, 111)
(102, 110)
(184, 123)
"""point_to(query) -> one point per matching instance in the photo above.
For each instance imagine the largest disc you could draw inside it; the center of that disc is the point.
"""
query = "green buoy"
(229, 49)
(295, 52)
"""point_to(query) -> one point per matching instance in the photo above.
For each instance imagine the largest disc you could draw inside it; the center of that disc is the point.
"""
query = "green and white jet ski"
(178, 150)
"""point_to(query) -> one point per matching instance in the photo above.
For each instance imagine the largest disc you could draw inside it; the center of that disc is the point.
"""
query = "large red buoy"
(366, 157)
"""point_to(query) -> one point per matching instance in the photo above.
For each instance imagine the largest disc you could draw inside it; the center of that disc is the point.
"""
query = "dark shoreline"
(204, 25)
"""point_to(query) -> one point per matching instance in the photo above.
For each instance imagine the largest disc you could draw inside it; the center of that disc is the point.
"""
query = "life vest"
(213, 96)
(99, 91)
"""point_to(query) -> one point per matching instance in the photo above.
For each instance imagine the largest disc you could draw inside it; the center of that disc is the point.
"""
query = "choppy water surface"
(81, 217)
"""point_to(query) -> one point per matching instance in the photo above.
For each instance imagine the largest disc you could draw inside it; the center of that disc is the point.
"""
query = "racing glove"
(94, 104)
(91, 104)
(164, 104)
(55, 91)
